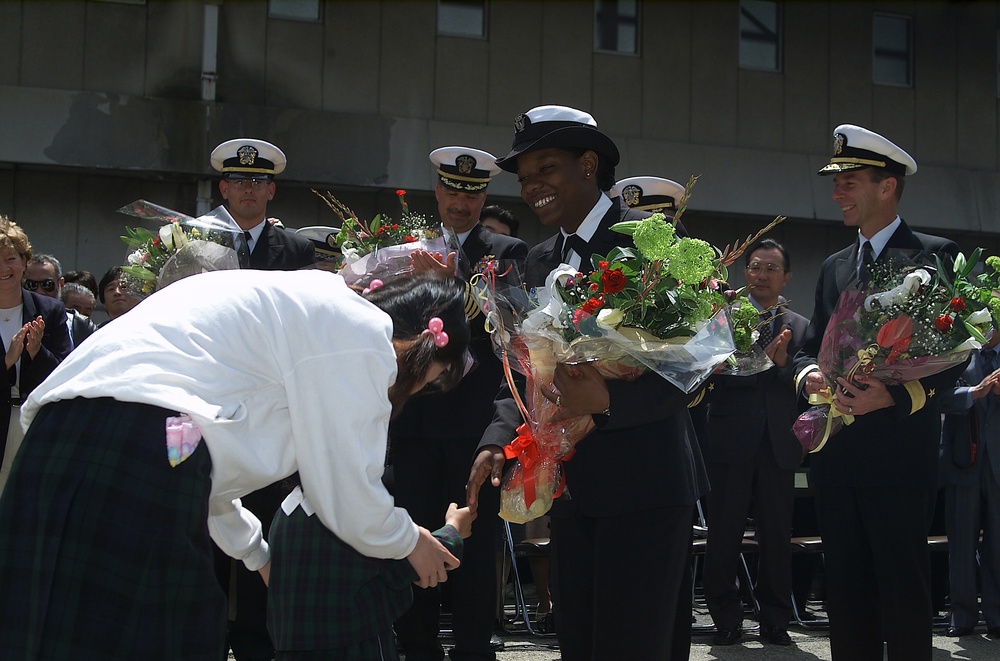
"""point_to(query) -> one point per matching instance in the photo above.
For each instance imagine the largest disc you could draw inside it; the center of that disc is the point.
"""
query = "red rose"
(943, 322)
(593, 286)
(957, 304)
(409, 239)
(603, 265)
(591, 305)
(401, 192)
(578, 317)
(613, 280)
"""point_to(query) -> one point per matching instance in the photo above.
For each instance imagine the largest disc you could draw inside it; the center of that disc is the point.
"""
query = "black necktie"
(867, 259)
(575, 243)
(764, 332)
(243, 248)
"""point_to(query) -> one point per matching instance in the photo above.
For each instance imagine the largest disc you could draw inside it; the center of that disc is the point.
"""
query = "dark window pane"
(296, 10)
(760, 35)
(616, 26)
(465, 18)
(892, 41)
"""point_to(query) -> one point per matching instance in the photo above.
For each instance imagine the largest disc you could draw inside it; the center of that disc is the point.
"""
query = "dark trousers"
(620, 579)
(970, 508)
(771, 492)
(877, 570)
(427, 477)
(247, 632)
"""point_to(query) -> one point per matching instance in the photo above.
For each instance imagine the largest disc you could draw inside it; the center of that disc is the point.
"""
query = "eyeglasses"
(47, 285)
(757, 267)
(256, 184)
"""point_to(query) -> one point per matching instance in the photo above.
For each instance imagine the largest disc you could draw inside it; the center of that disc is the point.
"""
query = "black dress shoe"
(496, 644)
(727, 636)
(956, 632)
(774, 635)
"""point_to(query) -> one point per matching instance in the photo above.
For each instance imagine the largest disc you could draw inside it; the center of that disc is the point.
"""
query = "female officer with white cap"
(639, 470)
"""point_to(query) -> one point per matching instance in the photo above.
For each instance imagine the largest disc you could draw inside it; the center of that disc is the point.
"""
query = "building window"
(760, 35)
(462, 18)
(892, 50)
(616, 26)
(296, 10)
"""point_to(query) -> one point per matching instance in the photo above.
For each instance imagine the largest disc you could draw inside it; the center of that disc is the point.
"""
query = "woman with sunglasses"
(34, 333)
(144, 439)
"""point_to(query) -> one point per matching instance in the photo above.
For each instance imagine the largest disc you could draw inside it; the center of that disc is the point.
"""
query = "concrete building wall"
(101, 103)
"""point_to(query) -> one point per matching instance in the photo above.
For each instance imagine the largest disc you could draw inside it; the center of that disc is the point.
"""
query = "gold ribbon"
(824, 397)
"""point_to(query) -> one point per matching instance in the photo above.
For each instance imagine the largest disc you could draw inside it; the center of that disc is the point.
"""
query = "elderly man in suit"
(876, 480)
(752, 459)
(608, 589)
(970, 472)
(248, 168)
(434, 440)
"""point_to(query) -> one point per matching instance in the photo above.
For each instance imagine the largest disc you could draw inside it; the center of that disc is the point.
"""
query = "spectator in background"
(77, 297)
(43, 275)
(499, 220)
(116, 299)
(35, 339)
(85, 278)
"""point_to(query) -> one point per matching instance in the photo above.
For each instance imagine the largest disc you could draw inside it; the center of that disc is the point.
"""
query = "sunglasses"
(47, 285)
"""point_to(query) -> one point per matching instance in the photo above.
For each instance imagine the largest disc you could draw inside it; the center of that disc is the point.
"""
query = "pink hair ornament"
(372, 286)
(435, 327)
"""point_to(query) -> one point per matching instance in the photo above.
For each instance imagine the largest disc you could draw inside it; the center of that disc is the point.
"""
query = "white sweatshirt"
(282, 372)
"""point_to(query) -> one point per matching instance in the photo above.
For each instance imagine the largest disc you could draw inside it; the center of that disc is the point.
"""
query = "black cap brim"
(567, 137)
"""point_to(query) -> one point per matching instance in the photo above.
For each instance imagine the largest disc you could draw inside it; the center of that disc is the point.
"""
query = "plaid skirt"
(104, 548)
(327, 598)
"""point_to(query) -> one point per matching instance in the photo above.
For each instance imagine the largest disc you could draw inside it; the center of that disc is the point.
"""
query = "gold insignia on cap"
(839, 140)
(631, 195)
(521, 122)
(465, 163)
(247, 155)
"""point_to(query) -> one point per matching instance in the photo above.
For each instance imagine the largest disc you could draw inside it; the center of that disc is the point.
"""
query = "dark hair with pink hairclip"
(429, 326)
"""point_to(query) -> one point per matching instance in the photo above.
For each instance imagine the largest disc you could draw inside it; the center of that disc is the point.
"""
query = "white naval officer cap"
(855, 147)
(648, 193)
(246, 158)
(464, 169)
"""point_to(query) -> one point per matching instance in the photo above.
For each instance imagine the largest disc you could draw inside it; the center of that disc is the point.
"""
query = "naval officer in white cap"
(248, 167)
(434, 439)
(876, 480)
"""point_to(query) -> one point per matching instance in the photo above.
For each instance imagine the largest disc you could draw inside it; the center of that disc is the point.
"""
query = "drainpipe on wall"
(209, 51)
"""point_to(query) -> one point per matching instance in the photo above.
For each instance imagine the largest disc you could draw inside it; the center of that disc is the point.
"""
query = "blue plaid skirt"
(104, 548)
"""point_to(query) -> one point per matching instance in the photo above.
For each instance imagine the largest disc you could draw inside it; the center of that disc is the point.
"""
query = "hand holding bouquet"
(918, 321)
(382, 248)
(656, 307)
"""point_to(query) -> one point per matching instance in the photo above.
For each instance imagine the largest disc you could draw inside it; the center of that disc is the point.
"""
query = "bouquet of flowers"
(916, 322)
(381, 248)
(182, 246)
(656, 307)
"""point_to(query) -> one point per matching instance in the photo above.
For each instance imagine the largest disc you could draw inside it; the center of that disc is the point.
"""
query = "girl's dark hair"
(412, 302)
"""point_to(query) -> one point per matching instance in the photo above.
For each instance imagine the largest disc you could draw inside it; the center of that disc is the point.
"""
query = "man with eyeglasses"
(248, 167)
(752, 456)
(43, 275)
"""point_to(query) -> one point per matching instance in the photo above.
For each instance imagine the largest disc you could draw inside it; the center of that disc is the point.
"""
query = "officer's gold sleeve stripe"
(918, 398)
(471, 308)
